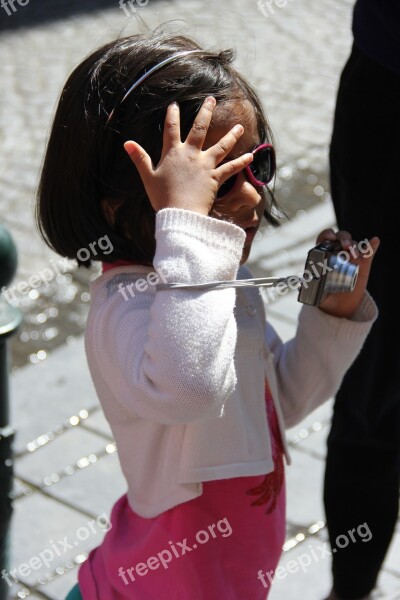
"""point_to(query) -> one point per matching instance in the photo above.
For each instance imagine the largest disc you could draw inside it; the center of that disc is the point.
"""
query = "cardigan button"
(251, 310)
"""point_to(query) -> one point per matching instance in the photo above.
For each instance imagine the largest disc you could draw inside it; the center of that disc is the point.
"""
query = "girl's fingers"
(365, 265)
(140, 158)
(220, 150)
(345, 239)
(355, 250)
(374, 243)
(367, 250)
(326, 234)
(232, 167)
(198, 132)
(172, 127)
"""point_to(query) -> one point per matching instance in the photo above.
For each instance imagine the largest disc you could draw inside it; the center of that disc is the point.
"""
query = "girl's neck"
(118, 263)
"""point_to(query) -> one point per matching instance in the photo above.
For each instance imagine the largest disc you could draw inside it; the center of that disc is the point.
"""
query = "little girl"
(164, 147)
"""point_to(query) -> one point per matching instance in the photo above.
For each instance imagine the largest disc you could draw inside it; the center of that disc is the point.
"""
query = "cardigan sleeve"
(310, 367)
(168, 355)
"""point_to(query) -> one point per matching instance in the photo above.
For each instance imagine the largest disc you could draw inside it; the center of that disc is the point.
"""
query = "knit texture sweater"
(180, 374)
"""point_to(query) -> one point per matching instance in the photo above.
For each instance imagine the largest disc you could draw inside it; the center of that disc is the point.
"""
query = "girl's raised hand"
(186, 176)
(360, 253)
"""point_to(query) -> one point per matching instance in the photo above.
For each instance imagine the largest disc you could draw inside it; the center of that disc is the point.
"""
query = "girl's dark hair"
(85, 161)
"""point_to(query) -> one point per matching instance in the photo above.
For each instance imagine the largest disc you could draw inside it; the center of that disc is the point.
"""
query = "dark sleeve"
(376, 31)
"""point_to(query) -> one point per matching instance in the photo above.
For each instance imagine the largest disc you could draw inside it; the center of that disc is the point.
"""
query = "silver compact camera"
(326, 272)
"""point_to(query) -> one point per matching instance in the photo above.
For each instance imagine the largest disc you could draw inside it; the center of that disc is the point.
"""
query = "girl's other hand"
(186, 176)
(344, 305)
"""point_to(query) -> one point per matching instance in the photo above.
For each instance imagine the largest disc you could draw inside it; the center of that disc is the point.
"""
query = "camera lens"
(343, 276)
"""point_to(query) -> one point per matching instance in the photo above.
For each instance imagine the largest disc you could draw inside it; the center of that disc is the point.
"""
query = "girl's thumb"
(138, 156)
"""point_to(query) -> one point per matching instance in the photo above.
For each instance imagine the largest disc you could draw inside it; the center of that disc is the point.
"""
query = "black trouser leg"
(363, 459)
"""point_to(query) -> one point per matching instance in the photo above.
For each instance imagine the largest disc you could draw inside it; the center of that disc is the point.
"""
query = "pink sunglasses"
(259, 172)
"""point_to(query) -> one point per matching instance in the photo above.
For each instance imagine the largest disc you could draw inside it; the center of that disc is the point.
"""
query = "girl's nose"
(245, 195)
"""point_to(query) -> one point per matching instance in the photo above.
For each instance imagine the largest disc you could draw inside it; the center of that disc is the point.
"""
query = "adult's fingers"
(198, 132)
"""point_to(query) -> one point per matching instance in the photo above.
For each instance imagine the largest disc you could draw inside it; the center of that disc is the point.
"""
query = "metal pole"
(10, 320)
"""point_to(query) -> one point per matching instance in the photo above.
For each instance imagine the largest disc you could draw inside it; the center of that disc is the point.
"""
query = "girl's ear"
(109, 207)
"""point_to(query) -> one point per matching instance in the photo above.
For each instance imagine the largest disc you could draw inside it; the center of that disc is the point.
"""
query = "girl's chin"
(250, 235)
(245, 254)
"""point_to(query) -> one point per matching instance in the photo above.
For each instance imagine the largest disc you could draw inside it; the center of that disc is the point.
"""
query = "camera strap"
(220, 285)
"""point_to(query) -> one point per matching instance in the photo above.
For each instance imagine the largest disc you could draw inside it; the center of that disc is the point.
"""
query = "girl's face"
(244, 204)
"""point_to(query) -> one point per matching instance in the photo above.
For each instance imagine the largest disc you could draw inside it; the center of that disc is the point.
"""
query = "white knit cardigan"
(180, 374)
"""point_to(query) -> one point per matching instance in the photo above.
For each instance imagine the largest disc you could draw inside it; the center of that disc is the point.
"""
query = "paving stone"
(311, 434)
(98, 423)
(66, 451)
(316, 441)
(41, 528)
(59, 587)
(94, 489)
(300, 230)
(392, 561)
(388, 587)
(22, 594)
(21, 489)
(45, 395)
(304, 479)
(320, 414)
(304, 573)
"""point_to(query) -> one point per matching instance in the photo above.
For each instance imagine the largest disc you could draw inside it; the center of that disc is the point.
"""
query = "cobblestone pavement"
(66, 463)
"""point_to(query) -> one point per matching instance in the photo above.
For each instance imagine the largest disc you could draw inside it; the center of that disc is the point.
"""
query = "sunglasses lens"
(226, 187)
(263, 165)
(262, 169)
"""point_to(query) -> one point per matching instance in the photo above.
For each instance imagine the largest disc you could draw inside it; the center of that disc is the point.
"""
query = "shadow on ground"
(15, 14)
